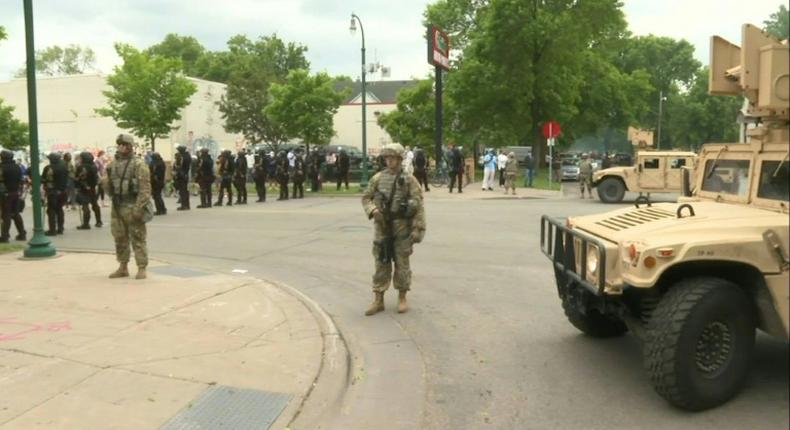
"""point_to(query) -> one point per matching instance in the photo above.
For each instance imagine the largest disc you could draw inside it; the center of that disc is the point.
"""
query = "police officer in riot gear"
(54, 179)
(11, 181)
(225, 172)
(157, 169)
(259, 173)
(240, 177)
(205, 177)
(87, 178)
(281, 172)
(181, 164)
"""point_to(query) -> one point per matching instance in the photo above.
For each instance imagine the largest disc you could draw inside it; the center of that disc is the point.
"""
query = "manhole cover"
(221, 407)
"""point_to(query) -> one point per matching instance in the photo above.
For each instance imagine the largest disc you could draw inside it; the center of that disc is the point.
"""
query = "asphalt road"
(485, 344)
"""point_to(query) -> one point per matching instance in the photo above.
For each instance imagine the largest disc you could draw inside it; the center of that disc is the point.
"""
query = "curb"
(333, 372)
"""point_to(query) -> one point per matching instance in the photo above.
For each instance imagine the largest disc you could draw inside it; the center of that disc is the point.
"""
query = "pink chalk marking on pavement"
(26, 328)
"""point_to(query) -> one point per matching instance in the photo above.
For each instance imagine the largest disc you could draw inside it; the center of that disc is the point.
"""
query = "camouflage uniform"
(128, 185)
(585, 175)
(403, 225)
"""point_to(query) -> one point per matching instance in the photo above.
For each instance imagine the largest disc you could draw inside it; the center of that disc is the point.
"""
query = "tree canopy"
(58, 61)
(13, 133)
(778, 24)
(147, 95)
(185, 48)
(305, 106)
(255, 66)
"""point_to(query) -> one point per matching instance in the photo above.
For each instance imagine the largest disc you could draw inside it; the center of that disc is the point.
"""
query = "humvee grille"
(634, 218)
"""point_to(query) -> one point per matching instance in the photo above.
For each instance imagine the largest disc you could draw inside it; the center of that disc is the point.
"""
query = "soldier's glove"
(416, 236)
(377, 215)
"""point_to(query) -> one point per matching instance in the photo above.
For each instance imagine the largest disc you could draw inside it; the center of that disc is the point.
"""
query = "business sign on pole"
(438, 48)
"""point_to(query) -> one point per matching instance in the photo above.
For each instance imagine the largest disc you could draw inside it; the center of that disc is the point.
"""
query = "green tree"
(255, 66)
(13, 133)
(3, 34)
(185, 48)
(458, 18)
(57, 61)
(305, 106)
(412, 123)
(148, 93)
(778, 24)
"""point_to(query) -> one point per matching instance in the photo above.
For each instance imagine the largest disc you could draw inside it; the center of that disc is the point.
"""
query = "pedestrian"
(101, 170)
(259, 173)
(181, 179)
(54, 180)
(501, 161)
(421, 168)
(456, 167)
(585, 175)
(408, 161)
(511, 171)
(240, 177)
(393, 200)
(343, 166)
(157, 169)
(11, 199)
(128, 185)
(87, 179)
(489, 170)
(529, 164)
(70, 194)
(225, 172)
(282, 173)
(204, 175)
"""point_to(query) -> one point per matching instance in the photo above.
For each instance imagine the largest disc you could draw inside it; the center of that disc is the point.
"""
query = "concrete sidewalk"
(473, 191)
(183, 349)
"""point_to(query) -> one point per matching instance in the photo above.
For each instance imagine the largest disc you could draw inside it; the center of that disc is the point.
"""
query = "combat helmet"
(124, 139)
(6, 155)
(181, 148)
(392, 150)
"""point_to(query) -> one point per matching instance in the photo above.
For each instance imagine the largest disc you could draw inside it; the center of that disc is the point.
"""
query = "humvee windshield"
(774, 180)
(727, 177)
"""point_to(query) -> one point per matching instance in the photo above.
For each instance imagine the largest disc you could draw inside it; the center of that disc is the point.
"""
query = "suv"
(694, 279)
(654, 172)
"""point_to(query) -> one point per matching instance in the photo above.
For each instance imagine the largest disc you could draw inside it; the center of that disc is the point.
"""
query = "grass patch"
(10, 247)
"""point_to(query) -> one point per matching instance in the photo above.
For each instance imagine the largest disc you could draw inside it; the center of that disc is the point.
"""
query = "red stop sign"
(551, 129)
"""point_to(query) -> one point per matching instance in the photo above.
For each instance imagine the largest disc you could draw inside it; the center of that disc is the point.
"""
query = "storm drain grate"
(222, 407)
(179, 272)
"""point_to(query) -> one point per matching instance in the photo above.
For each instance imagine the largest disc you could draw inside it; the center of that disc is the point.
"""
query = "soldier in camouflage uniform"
(585, 175)
(393, 200)
(128, 185)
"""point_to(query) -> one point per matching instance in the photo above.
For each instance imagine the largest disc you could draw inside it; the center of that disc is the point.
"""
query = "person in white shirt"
(408, 161)
(501, 162)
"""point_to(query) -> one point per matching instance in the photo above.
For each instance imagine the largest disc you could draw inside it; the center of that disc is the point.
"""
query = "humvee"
(654, 172)
(693, 280)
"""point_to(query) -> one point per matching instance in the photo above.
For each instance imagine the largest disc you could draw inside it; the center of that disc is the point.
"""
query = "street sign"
(550, 141)
(438, 48)
(551, 129)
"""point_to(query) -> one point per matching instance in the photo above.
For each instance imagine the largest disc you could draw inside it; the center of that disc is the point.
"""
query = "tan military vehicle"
(693, 280)
(653, 172)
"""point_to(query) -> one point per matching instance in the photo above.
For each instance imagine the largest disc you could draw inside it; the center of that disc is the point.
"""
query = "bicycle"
(439, 177)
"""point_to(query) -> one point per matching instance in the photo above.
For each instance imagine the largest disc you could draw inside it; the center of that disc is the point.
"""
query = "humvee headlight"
(650, 262)
(592, 260)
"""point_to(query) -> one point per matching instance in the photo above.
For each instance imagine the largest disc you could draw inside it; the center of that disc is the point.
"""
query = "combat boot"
(122, 272)
(402, 305)
(377, 305)
(141, 273)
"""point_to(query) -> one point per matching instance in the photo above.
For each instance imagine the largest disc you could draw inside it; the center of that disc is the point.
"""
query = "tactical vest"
(125, 186)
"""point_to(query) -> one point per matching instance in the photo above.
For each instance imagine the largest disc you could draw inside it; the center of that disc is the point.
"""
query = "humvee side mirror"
(685, 182)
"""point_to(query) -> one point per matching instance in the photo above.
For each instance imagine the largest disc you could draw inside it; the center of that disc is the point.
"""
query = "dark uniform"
(240, 178)
(54, 179)
(456, 168)
(281, 172)
(259, 172)
(181, 165)
(157, 169)
(297, 176)
(313, 163)
(87, 178)
(421, 168)
(343, 165)
(205, 177)
(10, 193)
(225, 172)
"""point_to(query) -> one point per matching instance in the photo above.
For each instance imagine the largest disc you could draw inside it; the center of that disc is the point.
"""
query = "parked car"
(569, 169)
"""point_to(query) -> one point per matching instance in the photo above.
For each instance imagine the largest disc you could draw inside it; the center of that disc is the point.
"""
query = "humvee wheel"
(611, 190)
(593, 323)
(699, 343)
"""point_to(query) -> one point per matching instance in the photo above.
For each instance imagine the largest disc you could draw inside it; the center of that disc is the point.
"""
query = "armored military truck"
(653, 172)
(693, 280)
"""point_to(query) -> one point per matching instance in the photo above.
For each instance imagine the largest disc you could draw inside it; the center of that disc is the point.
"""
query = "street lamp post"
(661, 99)
(40, 245)
(363, 181)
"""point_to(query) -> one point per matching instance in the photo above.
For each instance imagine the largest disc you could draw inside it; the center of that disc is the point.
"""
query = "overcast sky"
(393, 29)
